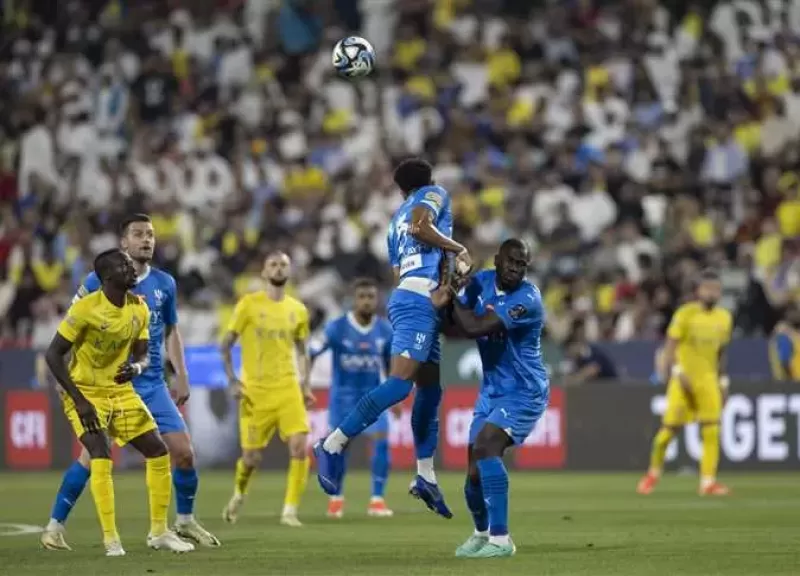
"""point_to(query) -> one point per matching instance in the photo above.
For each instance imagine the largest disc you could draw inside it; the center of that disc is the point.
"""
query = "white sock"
(425, 469)
(184, 518)
(335, 442)
(54, 525)
(503, 540)
(481, 533)
(289, 510)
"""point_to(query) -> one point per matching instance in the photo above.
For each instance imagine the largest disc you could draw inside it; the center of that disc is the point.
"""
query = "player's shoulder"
(484, 277)
(687, 309)
(90, 284)
(162, 278)
(86, 303)
(296, 305)
(433, 194)
(136, 300)
(528, 291)
(724, 314)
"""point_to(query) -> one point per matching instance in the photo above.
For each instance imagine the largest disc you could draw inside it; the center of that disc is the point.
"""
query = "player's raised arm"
(70, 329)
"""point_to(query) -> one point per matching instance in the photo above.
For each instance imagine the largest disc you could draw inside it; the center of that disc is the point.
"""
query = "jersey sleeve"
(144, 330)
(728, 328)
(678, 325)
(239, 317)
(302, 329)
(468, 295)
(169, 314)
(74, 322)
(394, 258)
(785, 348)
(523, 309)
(90, 284)
(325, 342)
(433, 198)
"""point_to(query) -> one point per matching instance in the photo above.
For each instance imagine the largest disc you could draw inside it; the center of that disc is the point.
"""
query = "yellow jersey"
(701, 334)
(268, 330)
(102, 335)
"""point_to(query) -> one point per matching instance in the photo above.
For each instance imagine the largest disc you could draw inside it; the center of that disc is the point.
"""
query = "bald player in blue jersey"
(419, 242)
(360, 345)
(158, 289)
(504, 313)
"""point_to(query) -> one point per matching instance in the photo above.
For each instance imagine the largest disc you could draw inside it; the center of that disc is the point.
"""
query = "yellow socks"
(659, 450)
(159, 490)
(102, 487)
(710, 459)
(296, 483)
(244, 474)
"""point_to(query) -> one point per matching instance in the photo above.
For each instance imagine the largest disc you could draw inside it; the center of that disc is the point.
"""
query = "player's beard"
(709, 304)
(278, 282)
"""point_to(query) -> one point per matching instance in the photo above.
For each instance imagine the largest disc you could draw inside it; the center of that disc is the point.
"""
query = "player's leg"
(337, 408)
(255, 431)
(294, 429)
(709, 412)
(380, 465)
(676, 415)
(72, 485)
(473, 494)
(173, 431)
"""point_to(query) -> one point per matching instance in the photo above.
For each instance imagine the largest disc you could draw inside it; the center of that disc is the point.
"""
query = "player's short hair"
(104, 263)
(708, 275)
(274, 253)
(413, 173)
(130, 219)
(513, 243)
(364, 282)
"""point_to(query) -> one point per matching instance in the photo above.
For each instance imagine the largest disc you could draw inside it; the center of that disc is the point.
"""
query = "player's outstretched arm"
(474, 326)
(424, 230)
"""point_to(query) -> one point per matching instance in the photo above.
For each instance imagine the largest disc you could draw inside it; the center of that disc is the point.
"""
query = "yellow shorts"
(122, 414)
(284, 410)
(707, 407)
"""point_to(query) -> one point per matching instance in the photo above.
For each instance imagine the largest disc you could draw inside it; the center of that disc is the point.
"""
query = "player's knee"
(84, 459)
(252, 458)
(491, 443)
(151, 445)
(180, 450)
(297, 446)
(403, 368)
(96, 446)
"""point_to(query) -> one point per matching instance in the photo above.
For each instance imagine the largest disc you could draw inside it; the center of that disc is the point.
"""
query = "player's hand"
(236, 388)
(87, 415)
(309, 397)
(463, 263)
(397, 410)
(126, 372)
(180, 389)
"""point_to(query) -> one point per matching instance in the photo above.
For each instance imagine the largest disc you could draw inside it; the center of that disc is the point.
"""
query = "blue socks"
(72, 485)
(185, 482)
(494, 482)
(425, 420)
(380, 466)
(474, 497)
(373, 405)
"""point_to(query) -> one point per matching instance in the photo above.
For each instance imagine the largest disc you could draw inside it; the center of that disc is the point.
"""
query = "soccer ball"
(353, 57)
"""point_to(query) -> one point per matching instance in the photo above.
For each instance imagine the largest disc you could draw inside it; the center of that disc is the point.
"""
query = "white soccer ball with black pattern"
(353, 57)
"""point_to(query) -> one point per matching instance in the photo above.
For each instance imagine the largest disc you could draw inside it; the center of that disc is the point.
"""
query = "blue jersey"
(512, 359)
(359, 353)
(413, 258)
(159, 290)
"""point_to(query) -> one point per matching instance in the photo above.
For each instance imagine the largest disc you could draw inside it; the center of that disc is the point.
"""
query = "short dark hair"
(364, 282)
(708, 275)
(513, 243)
(104, 262)
(413, 173)
(130, 219)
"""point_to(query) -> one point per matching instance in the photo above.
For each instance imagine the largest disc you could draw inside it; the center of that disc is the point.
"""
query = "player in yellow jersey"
(273, 389)
(693, 363)
(107, 334)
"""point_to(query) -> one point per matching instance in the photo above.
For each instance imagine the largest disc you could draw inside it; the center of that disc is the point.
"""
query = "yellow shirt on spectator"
(605, 297)
(595, 77)
(166, 227)
(305, 179)
(504, 67)
(767, 252)
(788, 216)
(408, 52)
(231, 244)
(48, 276)
(776, 86)
(748, 136)
(701, 230)
(465, 208)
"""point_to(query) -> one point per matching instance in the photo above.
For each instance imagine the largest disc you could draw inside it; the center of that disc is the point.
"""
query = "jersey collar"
(144, 274)
(351, 318)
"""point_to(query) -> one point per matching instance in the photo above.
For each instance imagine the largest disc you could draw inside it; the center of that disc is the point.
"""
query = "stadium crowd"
(630, 144)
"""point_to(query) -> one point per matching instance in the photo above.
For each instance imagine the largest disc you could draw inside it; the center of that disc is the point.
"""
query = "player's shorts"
(515, 414)
(707, 397)
(166, 414)
(122, 414)
(415, 326)
(339, 407)
(281, 410)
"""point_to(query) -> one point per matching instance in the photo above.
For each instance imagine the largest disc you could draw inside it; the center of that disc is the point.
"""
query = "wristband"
(724, 382)
(137, 368)
(676, 370)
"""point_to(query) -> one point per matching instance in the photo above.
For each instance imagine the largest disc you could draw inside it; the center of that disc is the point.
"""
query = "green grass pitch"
(563, 524)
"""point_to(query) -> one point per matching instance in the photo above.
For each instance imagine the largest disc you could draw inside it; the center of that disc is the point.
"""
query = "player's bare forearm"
(56, 358)
(139, 354)
(476, 326)
(668, 359)
(175, 353)
(304, 362)
(423, 229)
(226, 349)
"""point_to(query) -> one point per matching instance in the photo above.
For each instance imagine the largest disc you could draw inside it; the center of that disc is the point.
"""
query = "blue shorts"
(515, 414)
(166, 414)
(415, 326)
(339, 407)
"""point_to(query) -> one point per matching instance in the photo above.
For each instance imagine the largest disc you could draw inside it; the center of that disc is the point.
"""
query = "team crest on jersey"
(159, 296)
(434, 198)
(517, 312)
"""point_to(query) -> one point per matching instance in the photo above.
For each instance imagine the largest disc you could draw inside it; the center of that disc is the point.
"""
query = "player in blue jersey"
(360, 343)
(419, 241)
(504, 313)
(157, 287)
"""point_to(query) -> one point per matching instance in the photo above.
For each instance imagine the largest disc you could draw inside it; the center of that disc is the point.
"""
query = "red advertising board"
(544, 448)
(27, 430)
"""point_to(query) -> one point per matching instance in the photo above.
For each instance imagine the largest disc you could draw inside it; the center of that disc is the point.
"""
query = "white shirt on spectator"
(593, 212)
(37, 155)
(546, 203)
(628, 255)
